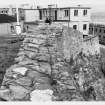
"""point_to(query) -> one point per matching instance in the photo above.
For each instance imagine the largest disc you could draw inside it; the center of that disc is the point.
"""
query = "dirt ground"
(9, 47)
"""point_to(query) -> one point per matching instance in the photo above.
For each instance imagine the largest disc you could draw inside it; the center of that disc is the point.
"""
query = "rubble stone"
(5, 94)
(18, 92)
(21, 70)
(44, 67)
(41, 95)
(24, 81)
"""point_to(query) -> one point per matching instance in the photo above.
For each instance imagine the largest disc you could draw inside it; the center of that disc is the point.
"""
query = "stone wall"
(41, 63)
(91, 45)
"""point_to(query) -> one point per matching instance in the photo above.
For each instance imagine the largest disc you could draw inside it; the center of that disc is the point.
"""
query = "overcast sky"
(97, 5)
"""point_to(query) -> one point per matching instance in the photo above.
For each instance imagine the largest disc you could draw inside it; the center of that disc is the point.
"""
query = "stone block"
(18, 92)
(5, 94)
(41, 95)
(24, 81)
(45, 67)
(43, 50)
(42, 57)
(20, 58)
(21, 70)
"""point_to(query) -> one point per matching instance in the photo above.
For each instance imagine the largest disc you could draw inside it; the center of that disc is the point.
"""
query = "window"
(84, 12)
(84, 27)
(43, 12)
(100, 30)
(66, 13)
(6, 11)
(46, 12)
(75, 27)
(75, 12)
(95, 29)
(104, 31)
(99, 36)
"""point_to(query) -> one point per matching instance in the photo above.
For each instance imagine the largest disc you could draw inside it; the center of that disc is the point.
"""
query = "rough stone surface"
(5, 94)
(18, 92)
(51, 64)
(40, 95)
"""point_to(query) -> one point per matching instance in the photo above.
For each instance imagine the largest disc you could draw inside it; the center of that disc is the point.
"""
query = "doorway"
(55, 14)
(40, 15)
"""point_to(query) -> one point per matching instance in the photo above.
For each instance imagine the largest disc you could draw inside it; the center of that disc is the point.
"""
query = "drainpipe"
(69, 18)
(18, 27)
(93, 29)
(17, 15)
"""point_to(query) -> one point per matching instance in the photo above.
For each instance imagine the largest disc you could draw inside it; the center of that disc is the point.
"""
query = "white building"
(4, 10)
(76, 17)
(31, 15)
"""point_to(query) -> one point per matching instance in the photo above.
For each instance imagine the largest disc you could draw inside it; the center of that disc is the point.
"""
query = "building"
(8, 24)
(4, 11)
(97, 30)
(76, 17)
(31, 15)
(12, 12)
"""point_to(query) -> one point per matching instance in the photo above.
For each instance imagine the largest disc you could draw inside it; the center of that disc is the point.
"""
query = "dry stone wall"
(91, 45)
(41, 64)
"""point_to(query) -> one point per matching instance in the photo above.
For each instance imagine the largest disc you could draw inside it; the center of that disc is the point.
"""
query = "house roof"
(78, 7)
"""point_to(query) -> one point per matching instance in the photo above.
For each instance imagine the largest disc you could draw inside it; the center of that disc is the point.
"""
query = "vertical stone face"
(72, 43)
(91, 46)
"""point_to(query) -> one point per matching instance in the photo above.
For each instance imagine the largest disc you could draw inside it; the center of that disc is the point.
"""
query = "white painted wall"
(80, 16)
(31, 15)
(61, 14)
(5, 28)
(79, 26)
(76, 20)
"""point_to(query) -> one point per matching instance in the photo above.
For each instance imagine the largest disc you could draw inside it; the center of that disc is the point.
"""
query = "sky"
(96, 5)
